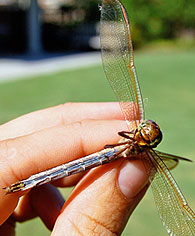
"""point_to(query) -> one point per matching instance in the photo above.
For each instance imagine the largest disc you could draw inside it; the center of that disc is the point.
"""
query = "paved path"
(14, 69)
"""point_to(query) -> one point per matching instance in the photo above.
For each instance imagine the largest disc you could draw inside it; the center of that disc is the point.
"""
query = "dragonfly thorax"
(148, 134)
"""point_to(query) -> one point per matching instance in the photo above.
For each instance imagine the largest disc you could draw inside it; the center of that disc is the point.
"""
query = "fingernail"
(132, 178)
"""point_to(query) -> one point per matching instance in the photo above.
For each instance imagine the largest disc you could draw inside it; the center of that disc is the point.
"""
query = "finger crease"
(97, 223)
(76, 228)
(62, 121)
(81, 143)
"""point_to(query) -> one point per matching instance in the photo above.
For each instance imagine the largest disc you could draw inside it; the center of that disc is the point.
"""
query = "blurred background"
(34, 26)
(50, 54)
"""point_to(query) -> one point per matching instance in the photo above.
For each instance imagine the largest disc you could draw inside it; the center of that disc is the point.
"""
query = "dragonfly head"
(148, 134)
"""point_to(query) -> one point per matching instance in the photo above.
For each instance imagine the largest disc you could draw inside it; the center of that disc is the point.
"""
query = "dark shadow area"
(13, 38)
(32, 31)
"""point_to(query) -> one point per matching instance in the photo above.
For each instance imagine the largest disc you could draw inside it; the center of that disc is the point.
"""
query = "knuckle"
(7, 156)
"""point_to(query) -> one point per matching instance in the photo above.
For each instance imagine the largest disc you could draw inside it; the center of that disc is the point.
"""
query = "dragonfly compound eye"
(150, 133)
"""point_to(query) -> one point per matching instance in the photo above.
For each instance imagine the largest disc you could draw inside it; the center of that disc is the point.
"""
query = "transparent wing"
(175, 213)
(118, 59)
(170, 160)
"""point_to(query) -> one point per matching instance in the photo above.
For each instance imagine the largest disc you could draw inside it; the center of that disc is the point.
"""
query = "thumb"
(103, 200)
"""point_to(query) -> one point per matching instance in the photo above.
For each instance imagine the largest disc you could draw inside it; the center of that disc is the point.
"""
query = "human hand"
(102, 200)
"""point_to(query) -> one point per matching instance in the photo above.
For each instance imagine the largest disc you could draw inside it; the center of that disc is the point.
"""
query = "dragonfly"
(118, 62)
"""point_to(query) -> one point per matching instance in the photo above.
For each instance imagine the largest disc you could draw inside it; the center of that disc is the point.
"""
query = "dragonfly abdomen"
(73, 167)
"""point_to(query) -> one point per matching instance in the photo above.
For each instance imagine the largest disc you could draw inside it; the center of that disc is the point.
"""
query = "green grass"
(166, 79)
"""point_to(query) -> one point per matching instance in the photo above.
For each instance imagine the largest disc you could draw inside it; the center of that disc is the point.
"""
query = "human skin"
(103, 198)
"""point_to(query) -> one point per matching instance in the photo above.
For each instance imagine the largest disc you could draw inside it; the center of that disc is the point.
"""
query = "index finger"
(62, 114)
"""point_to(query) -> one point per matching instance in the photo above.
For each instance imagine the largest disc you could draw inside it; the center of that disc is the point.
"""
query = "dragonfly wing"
(175, 213)
(170, 160)
(118, 59)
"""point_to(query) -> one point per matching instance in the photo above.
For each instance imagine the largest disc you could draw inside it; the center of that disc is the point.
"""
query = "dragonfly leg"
(115, 144)
(127, 134)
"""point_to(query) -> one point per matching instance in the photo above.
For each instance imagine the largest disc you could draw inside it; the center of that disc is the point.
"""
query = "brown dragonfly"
(118, 61)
